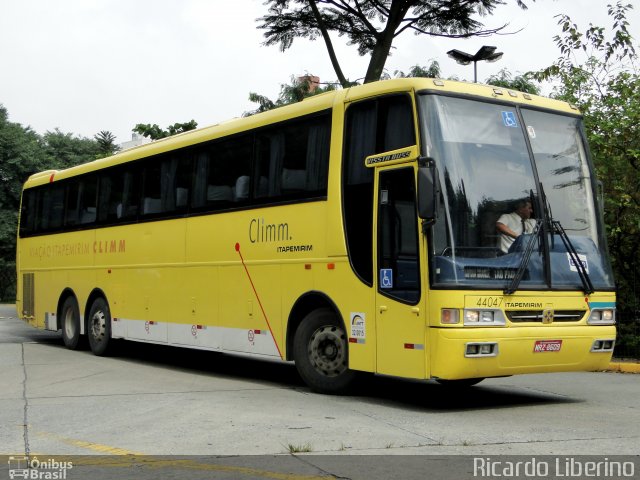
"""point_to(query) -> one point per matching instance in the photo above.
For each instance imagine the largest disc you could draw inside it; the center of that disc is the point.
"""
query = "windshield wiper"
(556, 227)
(524, 261)
(587, 286)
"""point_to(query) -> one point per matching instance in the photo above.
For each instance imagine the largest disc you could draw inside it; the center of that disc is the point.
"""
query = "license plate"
(547, 346)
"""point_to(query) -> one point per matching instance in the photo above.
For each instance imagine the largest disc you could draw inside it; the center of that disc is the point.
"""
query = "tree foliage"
(154, 132)
(522, 83)
(373, 25)
(106, 143)
(428, 71)
(297, 90)
(22, 153)
(598, 71)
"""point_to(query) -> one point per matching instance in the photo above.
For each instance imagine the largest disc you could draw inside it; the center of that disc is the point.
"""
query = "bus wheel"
(99, 327)
(462, 383)
(70, 323)
(321, 354)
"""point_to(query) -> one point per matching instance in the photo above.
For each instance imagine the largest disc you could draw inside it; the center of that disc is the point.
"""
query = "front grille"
(519, 316)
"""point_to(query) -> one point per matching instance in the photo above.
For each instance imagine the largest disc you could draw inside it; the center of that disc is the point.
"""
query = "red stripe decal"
(264, 314)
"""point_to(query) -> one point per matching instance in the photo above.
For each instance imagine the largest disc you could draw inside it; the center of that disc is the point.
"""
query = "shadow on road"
(420, 396)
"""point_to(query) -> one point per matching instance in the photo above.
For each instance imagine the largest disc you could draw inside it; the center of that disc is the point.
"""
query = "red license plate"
(547, 346)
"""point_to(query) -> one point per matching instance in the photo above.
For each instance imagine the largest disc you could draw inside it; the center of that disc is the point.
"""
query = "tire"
(321, 353)
(99, 327)
(70, 323)
(462, 383)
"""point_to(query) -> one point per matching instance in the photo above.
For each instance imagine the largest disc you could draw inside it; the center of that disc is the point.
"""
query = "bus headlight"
(602, 317)
(483, 318)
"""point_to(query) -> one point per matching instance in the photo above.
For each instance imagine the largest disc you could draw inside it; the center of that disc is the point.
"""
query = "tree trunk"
(327, 41)
(397, 12)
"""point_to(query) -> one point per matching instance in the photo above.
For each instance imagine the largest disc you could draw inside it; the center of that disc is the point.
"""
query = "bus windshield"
(499, 165)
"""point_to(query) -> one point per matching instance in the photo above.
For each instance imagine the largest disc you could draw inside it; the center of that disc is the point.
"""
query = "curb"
(624, 367)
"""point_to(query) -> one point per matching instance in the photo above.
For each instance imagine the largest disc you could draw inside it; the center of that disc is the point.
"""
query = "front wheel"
(321, 354)
(99, 327)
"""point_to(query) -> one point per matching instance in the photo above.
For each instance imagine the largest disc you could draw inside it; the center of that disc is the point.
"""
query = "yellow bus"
(354, 231)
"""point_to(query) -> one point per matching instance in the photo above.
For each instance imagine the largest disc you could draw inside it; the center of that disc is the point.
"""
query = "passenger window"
(28, 214)
(51, 208)
(119, 189)
(87, 200)
(293, 159)
(228, 171)
(152, 187)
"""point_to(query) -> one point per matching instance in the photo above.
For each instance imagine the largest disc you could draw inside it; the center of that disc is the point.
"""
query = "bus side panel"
(51, 264)
(139, 275)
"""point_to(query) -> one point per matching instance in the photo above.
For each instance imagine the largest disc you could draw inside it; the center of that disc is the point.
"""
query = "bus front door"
(400, 315)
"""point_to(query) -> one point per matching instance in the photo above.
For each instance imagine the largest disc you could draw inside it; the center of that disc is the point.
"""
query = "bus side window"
(87, 200)
(50, 207)
(118, 195)
(151, 187)
(57, 206)
(292, 159)
(28, 212)
(228, 177)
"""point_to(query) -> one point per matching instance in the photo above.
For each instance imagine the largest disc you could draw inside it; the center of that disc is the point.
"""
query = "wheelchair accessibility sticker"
(386, 278)
(509, 119)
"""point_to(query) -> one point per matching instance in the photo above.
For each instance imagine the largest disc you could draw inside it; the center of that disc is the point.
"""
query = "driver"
(512, 225)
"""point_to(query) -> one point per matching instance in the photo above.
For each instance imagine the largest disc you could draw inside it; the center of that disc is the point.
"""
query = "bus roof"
(308, 106)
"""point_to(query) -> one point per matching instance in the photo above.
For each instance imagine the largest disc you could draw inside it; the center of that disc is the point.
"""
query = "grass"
(306, 448)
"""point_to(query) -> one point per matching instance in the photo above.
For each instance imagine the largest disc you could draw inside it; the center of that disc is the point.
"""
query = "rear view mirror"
(427, 190)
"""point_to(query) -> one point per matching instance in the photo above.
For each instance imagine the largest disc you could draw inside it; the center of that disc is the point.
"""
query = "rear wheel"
(99, 327)
(70, 318)
(321, 354)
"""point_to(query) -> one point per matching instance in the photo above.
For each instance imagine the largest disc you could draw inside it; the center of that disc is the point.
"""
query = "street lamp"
(485, 53)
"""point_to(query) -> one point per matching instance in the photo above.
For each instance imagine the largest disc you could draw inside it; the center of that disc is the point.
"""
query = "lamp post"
(485, 53)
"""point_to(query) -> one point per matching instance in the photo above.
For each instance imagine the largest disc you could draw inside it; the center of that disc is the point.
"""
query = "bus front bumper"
(493, 352)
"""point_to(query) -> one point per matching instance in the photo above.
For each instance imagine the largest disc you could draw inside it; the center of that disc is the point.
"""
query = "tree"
(22, 153)
(296, 91)
(373, 25)
(154, 132)
(65, 150)
(523, 83)
(106, 143)
(430, 71)
(600, 75)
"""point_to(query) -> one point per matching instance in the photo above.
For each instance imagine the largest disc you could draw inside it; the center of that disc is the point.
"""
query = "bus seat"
(241, 191)
(182, 197)
(216, 193)
(293, 179)
(88, 215)
(151, 205)
(119, 210)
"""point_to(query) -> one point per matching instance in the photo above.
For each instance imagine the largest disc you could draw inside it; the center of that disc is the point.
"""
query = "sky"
(84, 66)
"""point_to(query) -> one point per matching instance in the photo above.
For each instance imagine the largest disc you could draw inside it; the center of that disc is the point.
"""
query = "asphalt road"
(154, 401)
